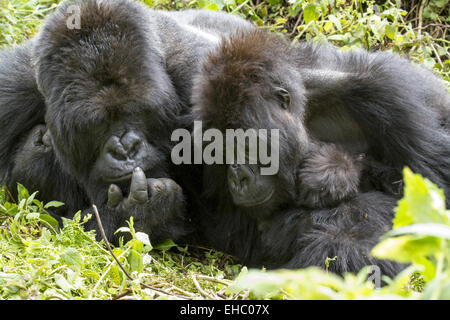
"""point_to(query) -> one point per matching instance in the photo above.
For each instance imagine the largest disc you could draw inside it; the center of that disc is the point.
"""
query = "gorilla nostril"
(134, 149)
(131, 143)
(118, 154)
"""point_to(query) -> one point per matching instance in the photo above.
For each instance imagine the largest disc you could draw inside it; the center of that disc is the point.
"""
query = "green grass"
(39, 262)
(21, 19)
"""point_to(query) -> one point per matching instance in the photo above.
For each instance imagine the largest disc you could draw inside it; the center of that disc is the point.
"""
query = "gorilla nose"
(240, 177)
(126, 147)
(131, 142)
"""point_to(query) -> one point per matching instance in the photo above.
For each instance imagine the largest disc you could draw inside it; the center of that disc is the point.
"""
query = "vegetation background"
(38, 261)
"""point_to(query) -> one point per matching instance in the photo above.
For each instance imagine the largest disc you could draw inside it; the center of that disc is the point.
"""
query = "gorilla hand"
(151, 200)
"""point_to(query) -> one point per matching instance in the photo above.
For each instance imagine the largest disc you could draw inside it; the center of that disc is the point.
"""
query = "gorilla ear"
(284, 97)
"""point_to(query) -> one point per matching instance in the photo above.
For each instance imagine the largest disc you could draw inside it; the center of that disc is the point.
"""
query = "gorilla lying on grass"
(348, 123)
(111, 92)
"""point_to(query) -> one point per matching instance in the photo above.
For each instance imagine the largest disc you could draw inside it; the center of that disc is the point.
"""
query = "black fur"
(353, 121)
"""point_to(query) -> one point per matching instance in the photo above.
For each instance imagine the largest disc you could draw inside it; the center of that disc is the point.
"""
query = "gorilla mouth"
(121, 178)
(257, 202)
(244, 201)
(126, 177)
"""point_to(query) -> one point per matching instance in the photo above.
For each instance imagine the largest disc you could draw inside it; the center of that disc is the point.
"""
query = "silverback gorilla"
(348, 123)
(110, 94)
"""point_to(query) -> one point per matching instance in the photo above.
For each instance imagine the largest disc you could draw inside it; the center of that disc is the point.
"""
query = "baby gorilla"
(327, 176)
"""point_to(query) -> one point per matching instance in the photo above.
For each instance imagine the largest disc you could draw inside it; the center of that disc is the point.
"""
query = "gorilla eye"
(284, 97)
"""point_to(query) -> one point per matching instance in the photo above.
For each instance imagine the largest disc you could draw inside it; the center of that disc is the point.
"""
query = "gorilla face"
(110, 109)
(241, 86)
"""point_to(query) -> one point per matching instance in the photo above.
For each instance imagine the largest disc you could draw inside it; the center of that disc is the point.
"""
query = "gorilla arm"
(381, 105)
(348, 232)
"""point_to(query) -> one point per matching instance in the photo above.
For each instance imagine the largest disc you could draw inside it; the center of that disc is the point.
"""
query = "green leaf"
(440, 3)
(53, 204)
(336, 22)
(137, 245)
(115, 274)
(428, 269)
(73, 258)
(22, 192)
(165, 245)
(309, 283)
(52, 222)
(390, 31)
(3, 195)
(337, 37)
(123, 229)
(428, 13)
(135, 261)
(9, 277)
(143, 237)
(423, 202)
(62, 282)
(438, 288)
(213, 7)
(424, 229)
(31, 198)
(310, 13)
(405, 249)
(32, 215)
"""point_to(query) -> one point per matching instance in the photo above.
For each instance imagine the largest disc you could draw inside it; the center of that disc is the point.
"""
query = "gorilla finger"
(115, 196)
(156, 186)
(138, 188)
(170, 185)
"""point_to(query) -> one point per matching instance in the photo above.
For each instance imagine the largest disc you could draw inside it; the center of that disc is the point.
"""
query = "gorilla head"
(242, 86)
(110, 104)
(250, 82)
(110, 110)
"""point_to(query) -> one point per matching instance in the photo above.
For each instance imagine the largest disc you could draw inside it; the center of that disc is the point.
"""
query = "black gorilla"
(110, 93)
(348, 123)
